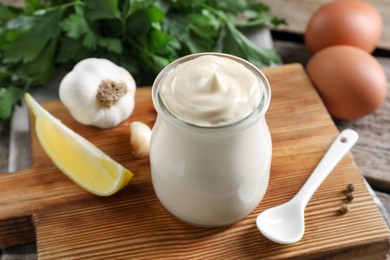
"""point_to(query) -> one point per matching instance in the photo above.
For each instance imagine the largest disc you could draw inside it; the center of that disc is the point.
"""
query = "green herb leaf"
(32, 4)
(75, 25)
(158, 41)
(259, 7)
(177, 27)
(45, 23)
(138, 24)
(137, 5)
(67, 49)
(237, 44)
(155, 62)
(41, 69)
(7, 13)
(5, 76)
(102, 9)
(8, 97)
(205, 24)
(111, 44)
(195, 44)
(25, 49)
(90, 40)
(27, 45)
(155, 15)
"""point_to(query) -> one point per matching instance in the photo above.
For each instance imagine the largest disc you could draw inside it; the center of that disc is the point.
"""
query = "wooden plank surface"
(73, 224)
(298, 12)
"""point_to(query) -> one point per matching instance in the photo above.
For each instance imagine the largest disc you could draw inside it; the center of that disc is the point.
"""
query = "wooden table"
(372, 153)
(70, 223)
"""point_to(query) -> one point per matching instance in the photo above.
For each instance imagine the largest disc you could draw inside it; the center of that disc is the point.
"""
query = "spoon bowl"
(274, 221)
(285, 224)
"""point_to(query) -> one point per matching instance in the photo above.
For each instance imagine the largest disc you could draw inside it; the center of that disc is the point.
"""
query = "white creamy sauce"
(210, 91)
(210, 176)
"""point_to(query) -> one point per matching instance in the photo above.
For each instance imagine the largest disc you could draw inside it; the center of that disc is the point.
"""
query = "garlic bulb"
(140, 135)
(98, 92)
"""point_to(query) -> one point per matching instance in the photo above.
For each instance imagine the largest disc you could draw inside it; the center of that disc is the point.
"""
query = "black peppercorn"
(343, 209)
(349, 196)
(350, 187)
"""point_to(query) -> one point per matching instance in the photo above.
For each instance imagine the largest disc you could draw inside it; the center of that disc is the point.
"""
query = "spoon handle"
(340, 146)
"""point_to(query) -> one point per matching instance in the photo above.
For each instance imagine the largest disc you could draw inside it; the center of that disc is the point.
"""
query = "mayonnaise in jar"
(211, 91)
(211, 148)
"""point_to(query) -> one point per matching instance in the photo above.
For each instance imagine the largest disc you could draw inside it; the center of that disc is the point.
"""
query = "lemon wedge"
(75, 156)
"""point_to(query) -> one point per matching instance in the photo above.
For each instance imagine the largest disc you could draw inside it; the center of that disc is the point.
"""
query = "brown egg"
(344, 22)
(350, 81)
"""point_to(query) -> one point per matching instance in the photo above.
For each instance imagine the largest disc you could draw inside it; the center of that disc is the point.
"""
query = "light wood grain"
(72, 224)
(298, 12)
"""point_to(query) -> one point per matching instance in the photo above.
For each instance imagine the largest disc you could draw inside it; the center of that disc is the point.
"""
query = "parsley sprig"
(143, 36)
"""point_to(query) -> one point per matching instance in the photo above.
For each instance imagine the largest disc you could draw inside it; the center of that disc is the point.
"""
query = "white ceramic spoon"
(285, 224)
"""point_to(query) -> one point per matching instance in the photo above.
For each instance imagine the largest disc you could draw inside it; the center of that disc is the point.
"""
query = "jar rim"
(259, 111)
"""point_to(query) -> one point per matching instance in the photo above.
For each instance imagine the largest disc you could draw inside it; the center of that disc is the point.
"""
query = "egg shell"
(344, 22)
(350, 81)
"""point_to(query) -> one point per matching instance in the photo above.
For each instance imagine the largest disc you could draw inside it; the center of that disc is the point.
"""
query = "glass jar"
(215, 175)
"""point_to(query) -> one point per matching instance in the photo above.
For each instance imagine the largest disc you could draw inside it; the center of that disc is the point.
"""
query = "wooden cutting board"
(68, 223)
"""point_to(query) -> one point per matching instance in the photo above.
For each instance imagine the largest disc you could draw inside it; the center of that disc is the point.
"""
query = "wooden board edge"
(17, 231)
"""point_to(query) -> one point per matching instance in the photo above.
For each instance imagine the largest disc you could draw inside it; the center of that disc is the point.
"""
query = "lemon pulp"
(76, 157)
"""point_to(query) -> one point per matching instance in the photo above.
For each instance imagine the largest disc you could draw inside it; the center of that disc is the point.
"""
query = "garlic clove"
(140, 135)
